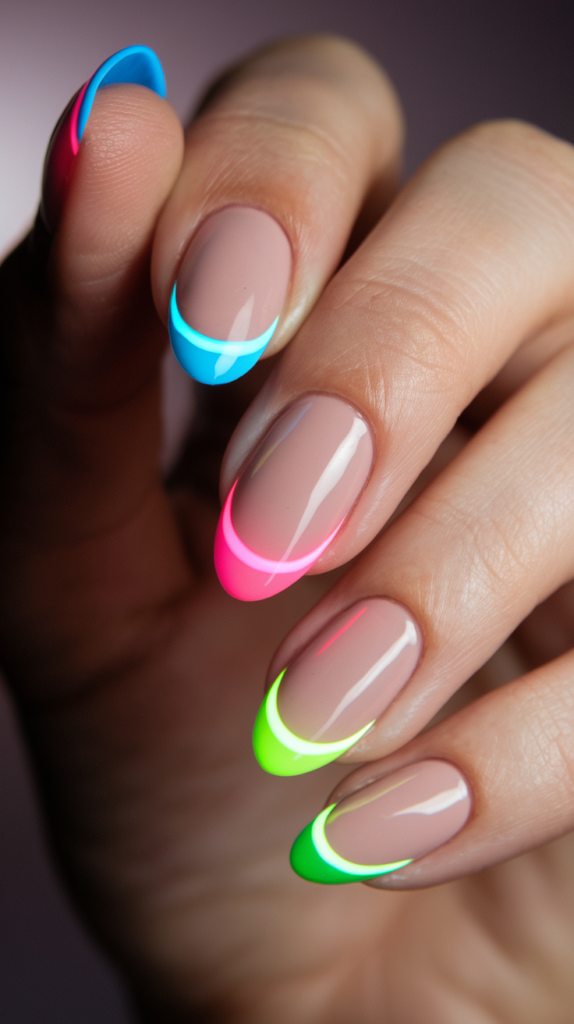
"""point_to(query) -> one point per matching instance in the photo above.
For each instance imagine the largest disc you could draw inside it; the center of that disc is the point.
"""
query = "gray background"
(453, 63)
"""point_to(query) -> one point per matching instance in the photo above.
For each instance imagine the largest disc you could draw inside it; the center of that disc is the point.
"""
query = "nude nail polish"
(136, 64)
(293, 496)
(334, 691)
(385, 826)
(229, 293)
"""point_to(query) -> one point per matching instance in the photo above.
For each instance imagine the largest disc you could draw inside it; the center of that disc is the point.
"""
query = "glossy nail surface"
(136, 64)
(384, 826)
(229, 293)
(332, 693)
(292, 497)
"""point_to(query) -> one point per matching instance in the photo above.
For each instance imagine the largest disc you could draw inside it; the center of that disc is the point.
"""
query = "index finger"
(287, 150)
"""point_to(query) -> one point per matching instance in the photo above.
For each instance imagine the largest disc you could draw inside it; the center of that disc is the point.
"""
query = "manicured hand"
(427, 377)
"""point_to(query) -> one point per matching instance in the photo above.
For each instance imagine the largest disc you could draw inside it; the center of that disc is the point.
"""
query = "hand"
(448, 334)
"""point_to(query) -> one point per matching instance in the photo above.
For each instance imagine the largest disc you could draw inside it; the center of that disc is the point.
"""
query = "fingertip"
(210, 360)
(241, 580)
(137, 65)
(132, 149)
(278, 750)
(128, 161)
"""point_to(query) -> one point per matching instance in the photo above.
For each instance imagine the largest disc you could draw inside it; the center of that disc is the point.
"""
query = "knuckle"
(242, 148)
(496, 539)
(337, 70)
(548, 737)
(292, 106)
(526, 154)
(318, 99)
(412, 330)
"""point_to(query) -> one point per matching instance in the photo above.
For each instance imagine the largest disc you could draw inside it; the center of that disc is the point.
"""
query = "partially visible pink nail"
(402, 816)
(349, 674)
(292, 497)
(60, 158)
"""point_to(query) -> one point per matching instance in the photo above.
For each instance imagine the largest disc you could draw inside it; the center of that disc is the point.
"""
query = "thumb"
(81, 342)
(87, 535)
(104, 333)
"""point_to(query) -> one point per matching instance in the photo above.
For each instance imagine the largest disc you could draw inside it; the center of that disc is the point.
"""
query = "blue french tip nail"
(134, 64)
(137, 64)
(208, 360)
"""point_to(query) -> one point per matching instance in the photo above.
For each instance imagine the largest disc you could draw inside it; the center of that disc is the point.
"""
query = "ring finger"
(436, 595)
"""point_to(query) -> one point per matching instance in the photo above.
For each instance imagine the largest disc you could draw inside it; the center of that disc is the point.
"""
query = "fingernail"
(334, 691)
(384, 826)
(292, 497)
(136, 64)
(229, 293)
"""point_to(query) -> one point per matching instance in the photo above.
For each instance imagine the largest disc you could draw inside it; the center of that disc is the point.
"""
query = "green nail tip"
(315, 860)
(280, 752)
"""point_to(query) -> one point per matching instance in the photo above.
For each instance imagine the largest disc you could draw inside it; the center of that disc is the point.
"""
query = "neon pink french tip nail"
(293, 497)
(136, 64)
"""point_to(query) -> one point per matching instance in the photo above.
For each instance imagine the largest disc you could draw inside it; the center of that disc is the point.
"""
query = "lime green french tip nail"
(315, 860)
(280, 752)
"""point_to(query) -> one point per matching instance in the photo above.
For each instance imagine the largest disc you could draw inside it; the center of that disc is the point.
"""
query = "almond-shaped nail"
(229, 293)
(292, 497)
(334, 691)
(136, 64)
(384, 826)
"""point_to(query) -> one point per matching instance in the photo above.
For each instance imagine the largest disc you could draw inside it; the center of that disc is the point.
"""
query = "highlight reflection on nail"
(335, 690)
(385, 826)
(135, 64)
(293, 497)
(230, 290)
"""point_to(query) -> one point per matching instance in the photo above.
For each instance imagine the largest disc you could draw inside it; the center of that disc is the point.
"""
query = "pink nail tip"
(293, 497)
(60, 158)
(248, 576)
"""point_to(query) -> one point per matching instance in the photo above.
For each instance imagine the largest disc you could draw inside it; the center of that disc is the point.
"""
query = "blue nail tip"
(136, 64)
(208, 360)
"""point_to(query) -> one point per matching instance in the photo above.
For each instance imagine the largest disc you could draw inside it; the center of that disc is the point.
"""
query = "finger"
(84, 343)
(89, 544)
(280, 161)
(473, 257)
(136, 64)
(432, 600)
(487, 784)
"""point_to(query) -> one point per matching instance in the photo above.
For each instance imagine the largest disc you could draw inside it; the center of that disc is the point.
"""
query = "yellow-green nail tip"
(280, 752)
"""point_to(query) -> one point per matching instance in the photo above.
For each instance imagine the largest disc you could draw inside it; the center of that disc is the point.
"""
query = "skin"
(138, 678)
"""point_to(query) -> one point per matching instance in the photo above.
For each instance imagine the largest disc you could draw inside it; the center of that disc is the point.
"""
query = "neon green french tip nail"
(280, 752)
(315, 860)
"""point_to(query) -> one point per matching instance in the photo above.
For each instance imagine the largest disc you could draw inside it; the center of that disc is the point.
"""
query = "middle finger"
(475, 255)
